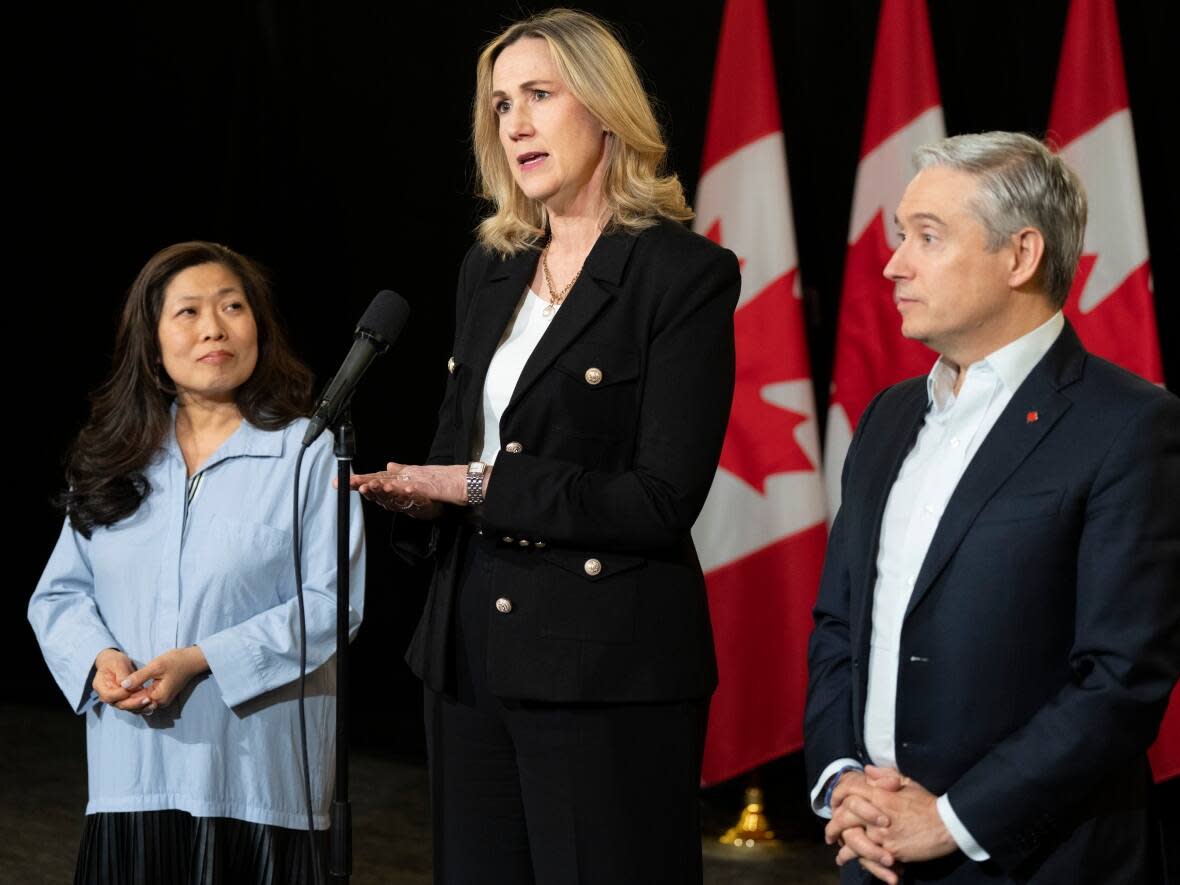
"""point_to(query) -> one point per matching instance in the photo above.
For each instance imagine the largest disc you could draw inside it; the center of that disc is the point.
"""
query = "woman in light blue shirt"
(167, 611)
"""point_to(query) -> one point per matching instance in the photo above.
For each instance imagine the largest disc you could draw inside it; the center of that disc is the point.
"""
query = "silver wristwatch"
(475, 472)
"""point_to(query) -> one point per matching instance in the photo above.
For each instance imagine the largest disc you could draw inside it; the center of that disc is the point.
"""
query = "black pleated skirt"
(175, 848)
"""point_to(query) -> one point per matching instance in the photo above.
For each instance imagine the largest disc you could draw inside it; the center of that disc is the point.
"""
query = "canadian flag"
(903, 113)
(762, 532)
(1110, 304)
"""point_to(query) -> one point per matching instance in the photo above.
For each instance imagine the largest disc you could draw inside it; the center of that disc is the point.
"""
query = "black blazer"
(1043, 635)
(601, 473)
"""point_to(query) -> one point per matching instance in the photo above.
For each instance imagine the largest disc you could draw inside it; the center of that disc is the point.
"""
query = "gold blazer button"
(592, 567)
(504, 606)
(593, 376)
(451, 365)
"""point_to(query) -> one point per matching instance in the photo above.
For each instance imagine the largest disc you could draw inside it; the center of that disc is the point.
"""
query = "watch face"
(476, 467)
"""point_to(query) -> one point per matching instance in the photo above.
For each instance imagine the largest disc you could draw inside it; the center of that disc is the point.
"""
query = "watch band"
(475, 472)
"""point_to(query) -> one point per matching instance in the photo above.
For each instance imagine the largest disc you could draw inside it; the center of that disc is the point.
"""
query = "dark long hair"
(131, 410)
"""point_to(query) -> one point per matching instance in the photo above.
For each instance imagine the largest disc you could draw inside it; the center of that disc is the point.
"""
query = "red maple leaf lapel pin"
(1031, 418)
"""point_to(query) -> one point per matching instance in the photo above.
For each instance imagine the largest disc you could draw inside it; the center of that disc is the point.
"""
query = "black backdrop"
(330, 141)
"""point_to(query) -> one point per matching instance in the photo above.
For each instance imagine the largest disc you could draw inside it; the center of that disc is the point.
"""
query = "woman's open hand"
(416, 490)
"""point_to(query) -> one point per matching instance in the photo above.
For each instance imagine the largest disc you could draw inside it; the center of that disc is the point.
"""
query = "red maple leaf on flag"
(1121, 327)
(760, 441)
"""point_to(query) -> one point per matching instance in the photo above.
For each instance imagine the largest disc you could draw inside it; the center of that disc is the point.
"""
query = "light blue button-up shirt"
(215, 572)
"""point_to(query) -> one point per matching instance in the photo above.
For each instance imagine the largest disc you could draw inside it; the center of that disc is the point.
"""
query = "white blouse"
(520, 338)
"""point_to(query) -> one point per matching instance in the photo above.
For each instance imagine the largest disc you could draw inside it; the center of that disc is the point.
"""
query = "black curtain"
(331, 142)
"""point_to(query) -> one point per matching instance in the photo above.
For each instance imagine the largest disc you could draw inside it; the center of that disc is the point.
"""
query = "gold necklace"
(555, 297)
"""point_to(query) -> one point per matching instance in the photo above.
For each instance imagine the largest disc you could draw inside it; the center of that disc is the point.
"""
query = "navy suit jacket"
(1042, 639)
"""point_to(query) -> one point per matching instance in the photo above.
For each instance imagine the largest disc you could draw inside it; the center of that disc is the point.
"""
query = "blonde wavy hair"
(602, 76)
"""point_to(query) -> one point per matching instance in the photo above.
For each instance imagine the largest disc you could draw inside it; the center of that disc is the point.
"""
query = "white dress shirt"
(520, 339)
(954, 428)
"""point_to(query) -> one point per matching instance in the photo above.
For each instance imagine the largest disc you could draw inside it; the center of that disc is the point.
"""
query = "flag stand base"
(752, 833)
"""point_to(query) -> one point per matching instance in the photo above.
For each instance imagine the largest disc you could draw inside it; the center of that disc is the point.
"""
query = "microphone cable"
(297, 548)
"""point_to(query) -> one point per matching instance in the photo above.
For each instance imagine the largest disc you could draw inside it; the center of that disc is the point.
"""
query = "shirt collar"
(246, 441)
(1012, 363)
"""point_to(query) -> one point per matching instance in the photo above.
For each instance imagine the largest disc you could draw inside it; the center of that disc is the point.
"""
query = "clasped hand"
(883, 820)
(119, 684)
(416, 490)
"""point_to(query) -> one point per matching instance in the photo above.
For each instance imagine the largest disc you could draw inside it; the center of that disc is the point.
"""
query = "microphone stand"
(340, 848)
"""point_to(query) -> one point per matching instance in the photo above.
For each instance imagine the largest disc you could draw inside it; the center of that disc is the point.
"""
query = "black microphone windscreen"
(385, 317)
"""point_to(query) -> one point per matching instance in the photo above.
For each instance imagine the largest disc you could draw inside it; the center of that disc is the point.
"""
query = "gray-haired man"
(996, 630)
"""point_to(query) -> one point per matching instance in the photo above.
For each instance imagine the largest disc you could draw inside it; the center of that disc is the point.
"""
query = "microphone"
(378, 328)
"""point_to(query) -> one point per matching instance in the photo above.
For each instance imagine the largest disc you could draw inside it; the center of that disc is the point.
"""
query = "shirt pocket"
(241, 568)
(588, 596)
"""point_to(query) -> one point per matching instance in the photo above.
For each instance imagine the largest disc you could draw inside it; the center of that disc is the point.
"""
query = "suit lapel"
(887, 451)
(487, 318)
(1033, 410)
(596, 286)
